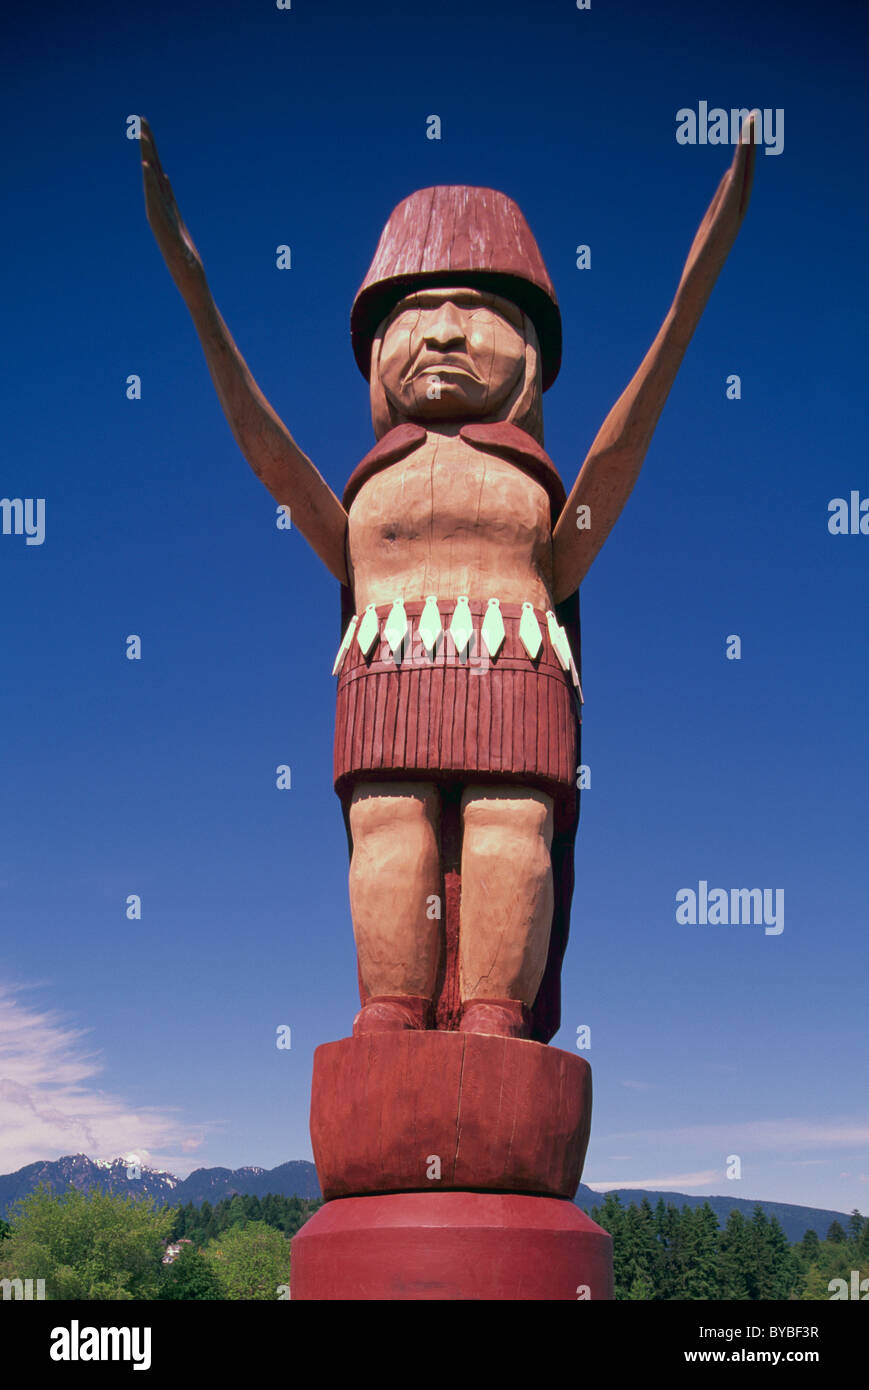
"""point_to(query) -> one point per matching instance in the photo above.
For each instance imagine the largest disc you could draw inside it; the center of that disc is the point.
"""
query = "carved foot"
(392, 1013)
(503, 1018)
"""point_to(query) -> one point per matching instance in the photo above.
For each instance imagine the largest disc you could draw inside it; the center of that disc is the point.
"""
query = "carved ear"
(383, 414)
(525, 407)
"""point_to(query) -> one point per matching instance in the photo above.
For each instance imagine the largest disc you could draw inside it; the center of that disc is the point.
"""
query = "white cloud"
(678, 1183)
(805, 1162)
(50, 1104)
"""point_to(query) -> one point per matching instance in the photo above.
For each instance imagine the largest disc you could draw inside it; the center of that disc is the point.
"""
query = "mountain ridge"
(298, 1178)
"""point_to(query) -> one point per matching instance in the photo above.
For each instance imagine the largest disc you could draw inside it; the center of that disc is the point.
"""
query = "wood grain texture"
(499, 1114)
(458, 234)
(506, 716)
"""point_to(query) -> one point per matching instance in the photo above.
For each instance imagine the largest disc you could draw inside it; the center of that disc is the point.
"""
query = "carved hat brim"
(457, 235)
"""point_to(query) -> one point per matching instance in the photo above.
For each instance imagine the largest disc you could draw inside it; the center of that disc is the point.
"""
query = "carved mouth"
(444, 371)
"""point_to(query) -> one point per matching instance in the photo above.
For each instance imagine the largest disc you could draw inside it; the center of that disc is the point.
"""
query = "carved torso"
(445, 514)
(451, 519)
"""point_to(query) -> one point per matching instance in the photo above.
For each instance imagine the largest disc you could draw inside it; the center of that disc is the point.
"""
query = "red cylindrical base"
(451, 1245)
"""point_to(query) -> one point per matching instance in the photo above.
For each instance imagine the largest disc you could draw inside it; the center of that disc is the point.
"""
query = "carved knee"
(389, 811)
(497, 818)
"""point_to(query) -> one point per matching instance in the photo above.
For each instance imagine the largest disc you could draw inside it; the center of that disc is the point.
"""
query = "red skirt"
(445, 719)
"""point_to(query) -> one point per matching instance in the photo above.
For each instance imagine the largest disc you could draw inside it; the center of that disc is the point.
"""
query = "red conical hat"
(454, 235)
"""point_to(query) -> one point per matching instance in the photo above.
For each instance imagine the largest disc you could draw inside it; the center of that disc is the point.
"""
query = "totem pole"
(452, 1134)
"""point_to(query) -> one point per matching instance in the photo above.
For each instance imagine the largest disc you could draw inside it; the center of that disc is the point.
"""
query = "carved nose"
(445, 328)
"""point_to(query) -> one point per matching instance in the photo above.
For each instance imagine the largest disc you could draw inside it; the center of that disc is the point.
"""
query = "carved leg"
(507, 904)
(395, 878)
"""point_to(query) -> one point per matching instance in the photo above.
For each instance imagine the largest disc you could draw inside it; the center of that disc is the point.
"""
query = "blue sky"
(156, 777)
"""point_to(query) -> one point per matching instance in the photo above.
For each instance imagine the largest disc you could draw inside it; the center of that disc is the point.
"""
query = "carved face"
(453, 354)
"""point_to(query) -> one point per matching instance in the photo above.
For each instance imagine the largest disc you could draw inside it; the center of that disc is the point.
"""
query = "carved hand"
(172, 236)
(717, 232)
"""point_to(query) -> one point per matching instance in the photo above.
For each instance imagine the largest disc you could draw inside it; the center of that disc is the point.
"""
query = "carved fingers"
(718, 230)
(172, 236)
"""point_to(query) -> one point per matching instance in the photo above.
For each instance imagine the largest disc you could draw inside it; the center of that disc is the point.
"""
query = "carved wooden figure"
(459, 558)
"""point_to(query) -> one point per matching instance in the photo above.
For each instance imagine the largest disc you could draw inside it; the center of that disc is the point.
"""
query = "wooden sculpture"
(459, 557)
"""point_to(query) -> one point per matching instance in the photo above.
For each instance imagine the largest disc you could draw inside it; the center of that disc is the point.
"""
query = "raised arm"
(265, 441)
(613, 464)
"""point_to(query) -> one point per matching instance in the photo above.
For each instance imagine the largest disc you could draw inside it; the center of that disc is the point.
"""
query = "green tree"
(205, 1223)
(611, 1216)
(836, 1233)
(253, 1209)
(672, 1227)
(834, 1261)
(642, 1252)
(855, 1225)
(807, 1248)
(782, 1271)
(250, 1261)
(236, 1213)
(641, 1290)
(184, 1221)
(191, 1276)
(88, 1245)
(771, 1268)
(733, 1258)
(700, 1242)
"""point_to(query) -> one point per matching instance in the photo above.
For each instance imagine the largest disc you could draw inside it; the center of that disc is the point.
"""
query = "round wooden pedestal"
(449, 1162)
